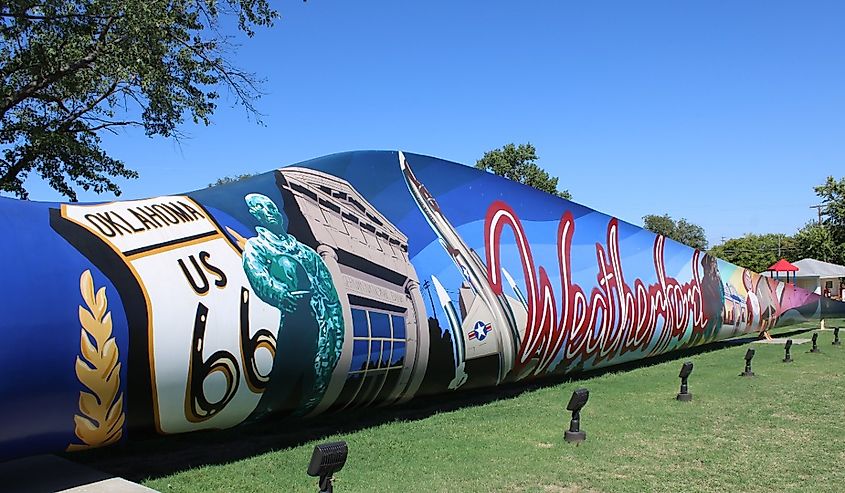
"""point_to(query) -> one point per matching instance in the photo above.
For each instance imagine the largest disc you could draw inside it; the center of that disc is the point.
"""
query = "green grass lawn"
(783, 430)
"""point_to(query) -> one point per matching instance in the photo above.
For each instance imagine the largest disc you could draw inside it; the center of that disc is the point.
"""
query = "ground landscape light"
(685, 395)
(815, 348)
(576, 402)
(749, 355)
(787, 357)
(327, 459)
(836, 341)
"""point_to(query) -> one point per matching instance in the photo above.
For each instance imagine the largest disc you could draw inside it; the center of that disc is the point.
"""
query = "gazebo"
(783, 266)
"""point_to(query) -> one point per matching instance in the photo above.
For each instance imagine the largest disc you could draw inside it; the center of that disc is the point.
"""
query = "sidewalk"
(49, 473)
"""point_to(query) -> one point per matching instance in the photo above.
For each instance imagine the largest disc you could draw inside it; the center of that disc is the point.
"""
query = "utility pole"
(819, 209)
(427, 286)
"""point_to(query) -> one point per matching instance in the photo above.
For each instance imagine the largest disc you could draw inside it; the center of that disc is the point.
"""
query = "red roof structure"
(783, 266)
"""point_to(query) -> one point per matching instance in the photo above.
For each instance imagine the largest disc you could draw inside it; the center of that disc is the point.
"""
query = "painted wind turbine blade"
(297, 292)
(515, 288)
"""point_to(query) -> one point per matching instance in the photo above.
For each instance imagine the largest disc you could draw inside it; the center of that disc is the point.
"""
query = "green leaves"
(817, 241)
(823, 240)
(518, 163)
(755, 252)
(826, 240)
(832, 193)
(230, 179)
(71, 69)
(681, 230)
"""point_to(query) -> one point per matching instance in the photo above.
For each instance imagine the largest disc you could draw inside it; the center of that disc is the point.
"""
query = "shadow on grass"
(161, 456)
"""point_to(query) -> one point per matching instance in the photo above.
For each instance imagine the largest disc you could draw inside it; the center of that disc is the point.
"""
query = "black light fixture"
(815, 348)
(787, 357)
(327, 459)
(576, 402)
(836, 341)
(749, 355)
(685, 395)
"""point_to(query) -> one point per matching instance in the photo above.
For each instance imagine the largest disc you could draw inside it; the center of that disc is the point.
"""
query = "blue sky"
(726, 113)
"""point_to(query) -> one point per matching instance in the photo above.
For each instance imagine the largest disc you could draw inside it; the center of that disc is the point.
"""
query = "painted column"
(329, 256)
(419, 346)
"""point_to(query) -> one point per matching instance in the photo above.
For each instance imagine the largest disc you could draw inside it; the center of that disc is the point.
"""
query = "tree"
(832, 193)
(661, 225)
(823, 240)
(230, 179)
(72, 69)
(681, 230)
(756, 252)
(816, 241)
(519, 163)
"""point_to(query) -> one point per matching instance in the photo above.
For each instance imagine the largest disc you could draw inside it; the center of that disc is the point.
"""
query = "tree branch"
(42, 82)
(34, 17)
(49, 98)
(11, 174)
(229, 74)
(109, 125)
(65, 124)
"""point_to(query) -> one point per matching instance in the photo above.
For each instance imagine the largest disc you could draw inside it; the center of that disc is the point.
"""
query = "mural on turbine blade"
(357, 279)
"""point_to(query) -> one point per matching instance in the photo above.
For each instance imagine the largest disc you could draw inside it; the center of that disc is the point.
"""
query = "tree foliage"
(822, 241)
(230, 179)
(756, 252)
(832, 193)
(817, 241)
(681, 230)
(72, 69)
(661, 225)
(519, 163)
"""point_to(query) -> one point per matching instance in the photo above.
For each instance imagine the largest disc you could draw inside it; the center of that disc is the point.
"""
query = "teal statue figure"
(275, 264)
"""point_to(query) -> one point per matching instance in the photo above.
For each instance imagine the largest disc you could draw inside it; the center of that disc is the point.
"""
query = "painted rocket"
(500, 309)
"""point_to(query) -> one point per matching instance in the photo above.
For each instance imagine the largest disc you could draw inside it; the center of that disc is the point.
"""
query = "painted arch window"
(378, 340)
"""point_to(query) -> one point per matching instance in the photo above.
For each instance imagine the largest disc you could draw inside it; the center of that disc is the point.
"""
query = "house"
(817, 276)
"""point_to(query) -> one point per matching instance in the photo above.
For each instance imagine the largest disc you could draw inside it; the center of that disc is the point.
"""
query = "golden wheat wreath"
(101, 417)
